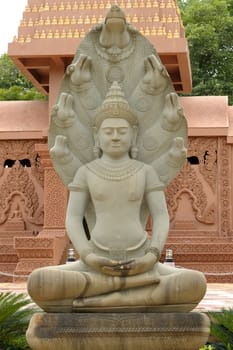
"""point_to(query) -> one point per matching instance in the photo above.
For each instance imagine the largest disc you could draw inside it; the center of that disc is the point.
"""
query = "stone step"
(12, 234)
(7, 271)
(8, 254)
(200, 249)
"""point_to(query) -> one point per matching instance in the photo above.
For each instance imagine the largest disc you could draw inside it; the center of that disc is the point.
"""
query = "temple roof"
(50, 32)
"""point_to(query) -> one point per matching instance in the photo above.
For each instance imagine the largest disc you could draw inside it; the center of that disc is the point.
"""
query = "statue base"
(116, 331)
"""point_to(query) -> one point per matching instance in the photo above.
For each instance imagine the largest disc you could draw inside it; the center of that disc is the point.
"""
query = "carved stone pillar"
(55, 195)
(55, 203)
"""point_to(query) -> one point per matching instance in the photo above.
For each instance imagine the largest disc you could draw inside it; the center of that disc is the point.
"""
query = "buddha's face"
(115, 137)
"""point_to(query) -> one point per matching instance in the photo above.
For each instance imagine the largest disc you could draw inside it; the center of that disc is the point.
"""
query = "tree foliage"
(209, 27)
(13, 84)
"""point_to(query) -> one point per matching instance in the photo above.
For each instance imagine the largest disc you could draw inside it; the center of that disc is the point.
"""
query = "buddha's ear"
(96, 148)
(135, 134)
(134, 149)
(95, 131)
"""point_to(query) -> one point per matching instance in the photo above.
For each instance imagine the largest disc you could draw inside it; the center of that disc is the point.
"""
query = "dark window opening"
(193, 160)
(25, 163)
(9, 163)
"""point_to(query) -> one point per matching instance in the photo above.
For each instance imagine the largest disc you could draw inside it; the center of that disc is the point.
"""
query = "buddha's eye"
(122, 131)
(108, 131)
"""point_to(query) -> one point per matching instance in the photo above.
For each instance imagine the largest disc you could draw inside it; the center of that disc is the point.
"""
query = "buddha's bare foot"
(125, 298)
(105, 300)
(183, 287)
(63, 306)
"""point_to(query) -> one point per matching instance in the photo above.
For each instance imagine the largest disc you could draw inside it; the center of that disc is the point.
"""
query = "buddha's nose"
(115, 136)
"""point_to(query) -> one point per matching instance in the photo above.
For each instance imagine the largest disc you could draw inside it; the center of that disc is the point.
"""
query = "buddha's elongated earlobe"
(96, 150)
(96, 147)
(134, 148)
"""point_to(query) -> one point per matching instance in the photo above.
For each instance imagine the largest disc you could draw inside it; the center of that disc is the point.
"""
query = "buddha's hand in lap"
(132, 267)
(97, 262)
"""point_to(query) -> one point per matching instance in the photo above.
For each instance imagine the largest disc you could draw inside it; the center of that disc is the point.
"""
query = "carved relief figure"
(138, 136)
(21, 185)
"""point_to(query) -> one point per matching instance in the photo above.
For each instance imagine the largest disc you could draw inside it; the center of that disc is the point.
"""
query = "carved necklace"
(113, 172)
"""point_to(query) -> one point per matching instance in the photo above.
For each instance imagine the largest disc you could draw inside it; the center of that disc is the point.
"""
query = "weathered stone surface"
(121, 331)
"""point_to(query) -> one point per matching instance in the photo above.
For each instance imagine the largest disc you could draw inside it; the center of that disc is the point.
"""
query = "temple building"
(33, 199)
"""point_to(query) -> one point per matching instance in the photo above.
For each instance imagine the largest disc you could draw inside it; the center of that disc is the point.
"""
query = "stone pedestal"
(118, 331)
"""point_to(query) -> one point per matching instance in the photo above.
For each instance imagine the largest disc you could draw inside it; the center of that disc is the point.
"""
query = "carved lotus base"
(118, 331)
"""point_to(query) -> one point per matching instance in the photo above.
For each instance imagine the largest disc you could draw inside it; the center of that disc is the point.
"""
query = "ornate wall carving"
(198, 180)
(206, 179)
(21, 185)
(205, 149)
(31, 265)
(55, 200)
(225, 175)
(32, 243)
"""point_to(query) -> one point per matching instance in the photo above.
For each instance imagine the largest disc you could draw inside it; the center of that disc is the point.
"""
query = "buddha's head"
(115, 125)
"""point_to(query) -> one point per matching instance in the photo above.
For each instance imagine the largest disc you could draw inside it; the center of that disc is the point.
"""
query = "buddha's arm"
(78, 202)
(74, 217)
(158, 210)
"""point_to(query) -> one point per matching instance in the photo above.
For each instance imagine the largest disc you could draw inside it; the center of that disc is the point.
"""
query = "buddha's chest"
(117, 191)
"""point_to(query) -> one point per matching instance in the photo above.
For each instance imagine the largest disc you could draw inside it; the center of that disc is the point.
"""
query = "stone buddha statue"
(119, 265)
(117, 137)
